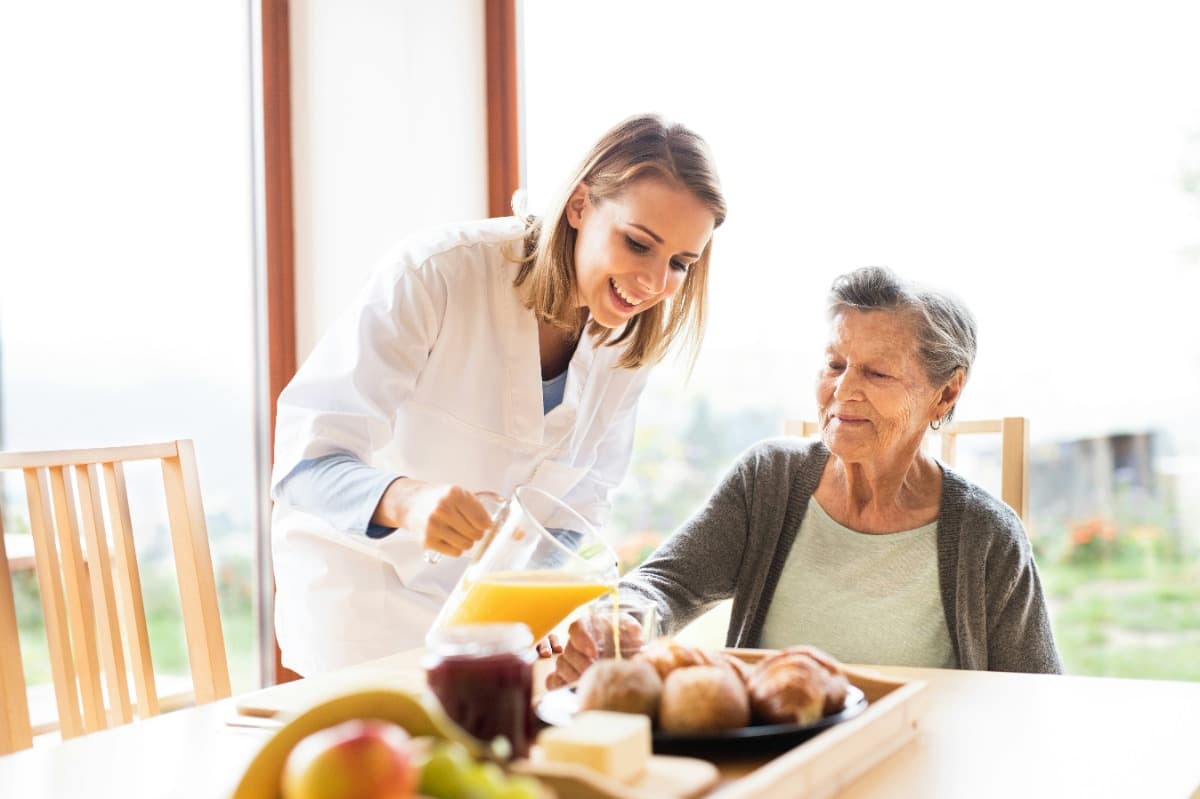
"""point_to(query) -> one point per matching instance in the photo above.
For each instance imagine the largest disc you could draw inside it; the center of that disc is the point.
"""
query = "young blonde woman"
(481, 356)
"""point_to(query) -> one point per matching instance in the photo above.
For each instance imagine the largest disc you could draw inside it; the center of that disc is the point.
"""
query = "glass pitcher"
(537, 562)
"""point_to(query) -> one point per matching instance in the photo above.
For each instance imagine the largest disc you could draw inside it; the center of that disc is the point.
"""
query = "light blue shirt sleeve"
(340, 489)
(344, 491)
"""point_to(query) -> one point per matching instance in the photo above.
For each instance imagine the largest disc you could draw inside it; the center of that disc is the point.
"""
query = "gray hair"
(946, 330)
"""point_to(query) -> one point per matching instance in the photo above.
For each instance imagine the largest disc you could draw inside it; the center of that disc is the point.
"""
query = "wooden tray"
(828, 763)
(820, 767)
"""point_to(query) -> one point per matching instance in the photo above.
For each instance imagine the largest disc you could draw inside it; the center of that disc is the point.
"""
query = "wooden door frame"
(503, 104)
(503, 137)
(280, 269)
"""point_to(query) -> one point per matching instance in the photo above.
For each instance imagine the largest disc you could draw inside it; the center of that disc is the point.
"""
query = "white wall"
(388, 136)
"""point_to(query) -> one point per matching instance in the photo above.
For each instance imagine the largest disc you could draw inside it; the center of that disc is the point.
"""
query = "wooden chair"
(93, 608)
(1014, 452)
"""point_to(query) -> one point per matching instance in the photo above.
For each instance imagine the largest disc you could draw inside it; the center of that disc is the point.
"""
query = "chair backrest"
(91, 596)
(1014, 452)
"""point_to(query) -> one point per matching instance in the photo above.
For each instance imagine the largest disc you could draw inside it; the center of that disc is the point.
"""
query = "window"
(1041, 162)
(126, 275)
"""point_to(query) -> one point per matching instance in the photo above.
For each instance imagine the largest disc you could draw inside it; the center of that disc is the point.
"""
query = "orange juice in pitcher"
(539, 561)
(540, 599)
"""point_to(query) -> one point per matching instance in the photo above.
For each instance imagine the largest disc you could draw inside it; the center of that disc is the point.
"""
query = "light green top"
(862, 598)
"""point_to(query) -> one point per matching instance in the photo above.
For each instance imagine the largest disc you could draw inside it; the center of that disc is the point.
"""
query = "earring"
(936, 424)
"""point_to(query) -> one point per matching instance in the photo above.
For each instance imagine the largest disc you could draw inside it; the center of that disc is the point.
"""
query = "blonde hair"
(640, 147)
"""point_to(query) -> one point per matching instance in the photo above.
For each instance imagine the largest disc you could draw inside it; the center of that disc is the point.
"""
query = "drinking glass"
(630, 619)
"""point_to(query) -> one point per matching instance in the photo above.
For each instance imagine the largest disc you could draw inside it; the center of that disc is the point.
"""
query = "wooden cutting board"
(666, 777)
(292, 698)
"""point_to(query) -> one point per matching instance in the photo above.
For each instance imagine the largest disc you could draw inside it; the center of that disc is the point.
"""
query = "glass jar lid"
(477, 640)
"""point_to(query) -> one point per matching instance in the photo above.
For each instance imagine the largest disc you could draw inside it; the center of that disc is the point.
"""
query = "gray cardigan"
(737, 544)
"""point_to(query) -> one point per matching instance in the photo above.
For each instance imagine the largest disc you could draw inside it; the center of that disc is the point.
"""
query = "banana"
(418, 714)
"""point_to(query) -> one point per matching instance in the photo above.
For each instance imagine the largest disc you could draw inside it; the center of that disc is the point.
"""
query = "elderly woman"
(861, 543)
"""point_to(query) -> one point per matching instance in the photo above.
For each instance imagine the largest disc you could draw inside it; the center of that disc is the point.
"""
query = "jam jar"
(483, 676)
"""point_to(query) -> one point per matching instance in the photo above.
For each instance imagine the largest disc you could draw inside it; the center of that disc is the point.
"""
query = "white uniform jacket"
(434, 374)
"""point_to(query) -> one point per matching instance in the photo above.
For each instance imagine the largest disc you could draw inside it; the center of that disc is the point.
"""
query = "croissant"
(828, 661)
(740, 667)
(837, 685)
(794, 686)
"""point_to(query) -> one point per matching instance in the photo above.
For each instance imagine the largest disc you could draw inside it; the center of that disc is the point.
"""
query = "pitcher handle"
(492, 503)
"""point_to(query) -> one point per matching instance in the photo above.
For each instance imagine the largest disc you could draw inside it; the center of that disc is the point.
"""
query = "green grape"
(492, 776)
(520, 787)
(449, 772)
(445, 773)
(458, 752)
(483, 781)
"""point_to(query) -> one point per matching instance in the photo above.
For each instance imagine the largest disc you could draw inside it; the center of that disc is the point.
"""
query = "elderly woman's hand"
(589, 639)
(578, 654)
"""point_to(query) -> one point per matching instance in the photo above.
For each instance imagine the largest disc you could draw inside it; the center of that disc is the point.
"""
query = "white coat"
(434, 374)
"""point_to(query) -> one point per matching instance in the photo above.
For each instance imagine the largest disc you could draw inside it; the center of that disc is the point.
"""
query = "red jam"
(483, 676)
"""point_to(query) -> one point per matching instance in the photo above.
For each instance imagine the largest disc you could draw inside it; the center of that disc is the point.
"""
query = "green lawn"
(1127, 619)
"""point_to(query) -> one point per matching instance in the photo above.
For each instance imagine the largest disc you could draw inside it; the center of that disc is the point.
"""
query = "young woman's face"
(633, 251)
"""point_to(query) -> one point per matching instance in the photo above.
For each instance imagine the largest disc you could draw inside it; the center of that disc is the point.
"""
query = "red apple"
(354, 760)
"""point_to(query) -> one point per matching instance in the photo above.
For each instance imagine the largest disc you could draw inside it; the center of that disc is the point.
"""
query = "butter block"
(615, 744)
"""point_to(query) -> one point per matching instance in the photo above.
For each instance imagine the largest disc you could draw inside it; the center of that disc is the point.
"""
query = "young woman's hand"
(449, 518)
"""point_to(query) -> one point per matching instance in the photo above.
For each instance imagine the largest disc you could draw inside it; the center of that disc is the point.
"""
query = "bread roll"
(622, 686)
(666, 655)
(699, 699)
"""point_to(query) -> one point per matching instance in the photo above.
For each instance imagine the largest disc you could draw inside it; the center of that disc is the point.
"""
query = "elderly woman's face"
(874, 397)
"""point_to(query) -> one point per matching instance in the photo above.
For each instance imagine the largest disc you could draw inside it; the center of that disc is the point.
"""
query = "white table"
(984, 735)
